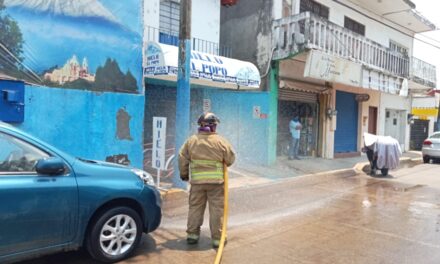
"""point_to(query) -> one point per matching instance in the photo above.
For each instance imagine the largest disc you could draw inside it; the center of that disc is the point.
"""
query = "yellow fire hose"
(218, 258)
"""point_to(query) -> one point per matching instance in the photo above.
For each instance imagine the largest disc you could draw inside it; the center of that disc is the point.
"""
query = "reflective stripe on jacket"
(202, 157)
(206, 170)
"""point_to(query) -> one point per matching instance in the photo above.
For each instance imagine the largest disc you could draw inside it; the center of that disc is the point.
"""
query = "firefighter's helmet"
(208, 119)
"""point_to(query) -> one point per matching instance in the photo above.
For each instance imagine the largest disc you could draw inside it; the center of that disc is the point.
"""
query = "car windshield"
(17, 155)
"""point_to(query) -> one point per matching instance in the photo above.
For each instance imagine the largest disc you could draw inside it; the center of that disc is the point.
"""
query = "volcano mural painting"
(79, 44)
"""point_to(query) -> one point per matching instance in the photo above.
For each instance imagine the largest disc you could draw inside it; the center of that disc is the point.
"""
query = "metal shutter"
(419, 132)
(292, 95)
(346, 135)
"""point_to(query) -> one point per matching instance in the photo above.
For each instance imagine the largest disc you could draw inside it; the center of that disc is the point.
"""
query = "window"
(435, 135)
(394, 46)
(314, 7)
(169, 22)
(287, 8)
(354, 26)
(17, 155)
(169, 17)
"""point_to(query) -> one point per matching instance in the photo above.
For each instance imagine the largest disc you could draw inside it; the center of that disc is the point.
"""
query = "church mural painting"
(77, 44)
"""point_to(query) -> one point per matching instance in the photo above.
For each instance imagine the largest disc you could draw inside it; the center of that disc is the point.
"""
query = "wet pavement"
(326, 218)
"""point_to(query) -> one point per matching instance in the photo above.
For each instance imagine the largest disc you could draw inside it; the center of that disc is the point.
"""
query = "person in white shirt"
(295, 131)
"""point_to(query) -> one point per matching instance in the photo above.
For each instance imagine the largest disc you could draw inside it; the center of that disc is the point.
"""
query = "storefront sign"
(159, 140)
(362, 97)
(322, 66)
(206, 69)
(425, 112)
(206, 105)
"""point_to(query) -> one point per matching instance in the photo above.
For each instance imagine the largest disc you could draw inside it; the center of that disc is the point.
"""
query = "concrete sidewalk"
(244, 176)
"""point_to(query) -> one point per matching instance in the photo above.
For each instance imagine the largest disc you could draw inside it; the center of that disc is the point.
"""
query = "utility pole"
(183, 100)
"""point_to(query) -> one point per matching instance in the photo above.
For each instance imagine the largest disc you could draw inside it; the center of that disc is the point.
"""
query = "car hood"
(105, 170)
(104, 163)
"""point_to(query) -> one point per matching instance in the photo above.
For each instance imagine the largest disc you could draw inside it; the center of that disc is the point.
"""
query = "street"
(310, 219)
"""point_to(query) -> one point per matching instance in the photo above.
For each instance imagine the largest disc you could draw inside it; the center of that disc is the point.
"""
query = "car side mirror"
(50, 166)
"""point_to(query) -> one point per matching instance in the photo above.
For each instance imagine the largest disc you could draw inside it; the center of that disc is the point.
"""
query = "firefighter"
(201, 161)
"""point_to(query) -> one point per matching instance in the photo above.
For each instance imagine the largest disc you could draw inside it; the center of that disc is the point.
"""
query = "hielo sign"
(159, 142)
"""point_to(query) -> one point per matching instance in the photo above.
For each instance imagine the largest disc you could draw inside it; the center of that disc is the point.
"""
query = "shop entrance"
(346, 123)
(308, 114)
(419, 132)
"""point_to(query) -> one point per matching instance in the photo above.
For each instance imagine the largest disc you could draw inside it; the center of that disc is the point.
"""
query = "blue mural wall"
(248, 134)
(84, 61)
(77, 44)
(85, 124)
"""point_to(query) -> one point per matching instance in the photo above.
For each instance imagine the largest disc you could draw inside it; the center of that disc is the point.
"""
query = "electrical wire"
(20, 62)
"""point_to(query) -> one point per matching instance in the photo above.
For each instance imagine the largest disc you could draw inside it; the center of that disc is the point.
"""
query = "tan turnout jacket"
(203, 156)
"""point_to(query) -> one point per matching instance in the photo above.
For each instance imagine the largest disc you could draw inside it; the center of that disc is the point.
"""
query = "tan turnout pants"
(198, 196)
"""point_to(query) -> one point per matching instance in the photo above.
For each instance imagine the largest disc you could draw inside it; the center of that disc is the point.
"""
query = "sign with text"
(326, 67)
(206, 105)
(159, 140)
(161, 62)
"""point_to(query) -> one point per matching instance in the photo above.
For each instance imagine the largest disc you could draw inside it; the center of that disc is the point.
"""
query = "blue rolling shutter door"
(347, 122)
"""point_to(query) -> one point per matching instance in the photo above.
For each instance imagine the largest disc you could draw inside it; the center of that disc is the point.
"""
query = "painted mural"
(78, 44)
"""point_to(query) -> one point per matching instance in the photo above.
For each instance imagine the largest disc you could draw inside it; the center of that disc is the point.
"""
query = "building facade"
(345, 67)
(220, 83)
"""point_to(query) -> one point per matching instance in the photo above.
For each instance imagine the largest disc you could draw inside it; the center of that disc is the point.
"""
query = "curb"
(365, 166)
(172, 193)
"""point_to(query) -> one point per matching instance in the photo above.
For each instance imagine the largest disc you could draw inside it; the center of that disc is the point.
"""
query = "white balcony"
(423, 73)
(172, 38)
(296, 34)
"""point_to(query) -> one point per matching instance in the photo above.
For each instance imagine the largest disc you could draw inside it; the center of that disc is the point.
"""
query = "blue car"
(51, 202)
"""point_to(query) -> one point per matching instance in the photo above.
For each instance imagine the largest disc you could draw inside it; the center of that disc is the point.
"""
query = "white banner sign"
(322, 66)
(159, 140)
(206, 69)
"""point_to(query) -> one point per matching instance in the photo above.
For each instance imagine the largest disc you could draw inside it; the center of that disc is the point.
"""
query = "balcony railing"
(172, 38)
(423, 73)
(297, 33)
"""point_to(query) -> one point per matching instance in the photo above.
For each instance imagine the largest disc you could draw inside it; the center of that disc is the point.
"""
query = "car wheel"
(426, 159)
(114, 234)
(384, 172)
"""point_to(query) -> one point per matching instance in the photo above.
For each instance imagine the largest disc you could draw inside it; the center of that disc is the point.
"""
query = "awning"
(303, 87)
(161, 62)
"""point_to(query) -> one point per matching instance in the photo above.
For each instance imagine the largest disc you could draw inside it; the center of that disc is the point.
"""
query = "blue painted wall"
(248, 135)
(83, 123)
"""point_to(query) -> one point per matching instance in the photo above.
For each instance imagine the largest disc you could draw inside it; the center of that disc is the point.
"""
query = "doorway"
(372, 120)
(395, 123)
(308, 115)
(346, 135)
(419, 132)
